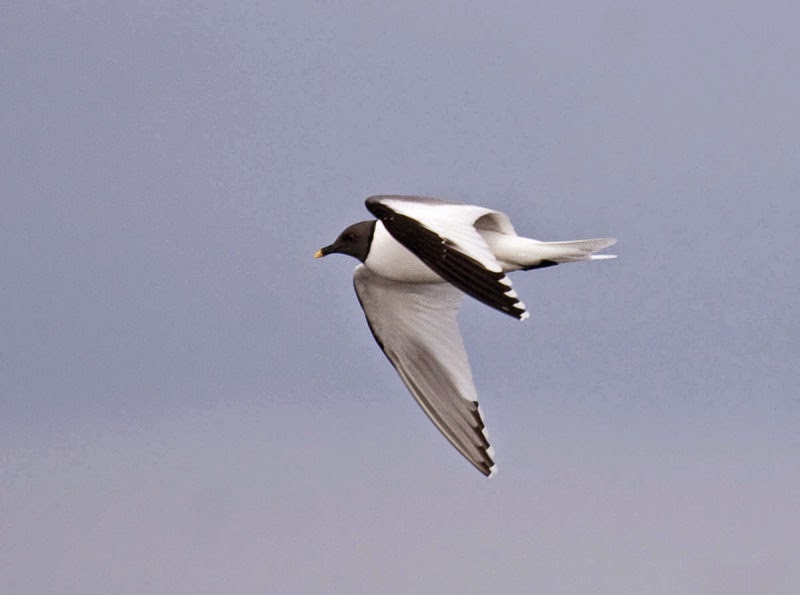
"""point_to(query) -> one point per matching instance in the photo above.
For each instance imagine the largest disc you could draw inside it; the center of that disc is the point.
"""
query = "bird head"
(354, 241)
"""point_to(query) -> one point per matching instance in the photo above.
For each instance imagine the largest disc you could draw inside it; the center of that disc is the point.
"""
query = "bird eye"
(348, 237)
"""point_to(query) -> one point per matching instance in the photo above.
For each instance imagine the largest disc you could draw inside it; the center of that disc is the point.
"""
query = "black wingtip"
(542, 264)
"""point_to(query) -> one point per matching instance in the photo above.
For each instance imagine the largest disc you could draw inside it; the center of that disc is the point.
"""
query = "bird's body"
(390, 259)
(418, 260)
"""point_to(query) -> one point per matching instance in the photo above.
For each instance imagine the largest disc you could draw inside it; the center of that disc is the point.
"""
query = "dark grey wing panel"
(443, 256)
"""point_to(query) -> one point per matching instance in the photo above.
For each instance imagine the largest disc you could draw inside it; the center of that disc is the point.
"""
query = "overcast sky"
(189, 403)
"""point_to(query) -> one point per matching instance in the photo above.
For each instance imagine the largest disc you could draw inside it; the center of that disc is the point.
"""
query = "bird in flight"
(418, 259)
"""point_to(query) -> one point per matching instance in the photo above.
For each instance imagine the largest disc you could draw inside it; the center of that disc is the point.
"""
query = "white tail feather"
(577, 249)
(514, 252)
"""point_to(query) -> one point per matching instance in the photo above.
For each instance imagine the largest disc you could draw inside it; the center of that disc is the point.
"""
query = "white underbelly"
(389, 258)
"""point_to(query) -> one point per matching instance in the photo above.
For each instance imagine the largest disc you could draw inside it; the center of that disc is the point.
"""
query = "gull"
(418, 259)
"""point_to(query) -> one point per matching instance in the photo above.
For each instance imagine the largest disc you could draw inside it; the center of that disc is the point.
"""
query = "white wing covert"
(415, 325)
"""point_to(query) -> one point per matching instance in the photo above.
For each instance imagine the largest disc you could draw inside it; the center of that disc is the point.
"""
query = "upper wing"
(415, 325)
(443, 235)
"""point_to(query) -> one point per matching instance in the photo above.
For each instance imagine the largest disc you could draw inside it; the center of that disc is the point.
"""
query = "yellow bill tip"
(318, 254)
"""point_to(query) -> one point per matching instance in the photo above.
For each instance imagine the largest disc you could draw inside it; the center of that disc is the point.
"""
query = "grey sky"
(189, 403)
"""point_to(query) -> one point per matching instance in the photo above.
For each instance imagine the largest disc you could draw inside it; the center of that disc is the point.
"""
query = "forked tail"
(576, 250)
(515, 252)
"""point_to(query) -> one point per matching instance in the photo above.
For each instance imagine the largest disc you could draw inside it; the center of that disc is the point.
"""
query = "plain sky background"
(189, 403)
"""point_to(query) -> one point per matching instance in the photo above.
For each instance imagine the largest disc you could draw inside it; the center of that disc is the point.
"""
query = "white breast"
(390, 259)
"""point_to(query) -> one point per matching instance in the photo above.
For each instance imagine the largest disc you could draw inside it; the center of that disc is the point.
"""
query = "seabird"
(418, 259)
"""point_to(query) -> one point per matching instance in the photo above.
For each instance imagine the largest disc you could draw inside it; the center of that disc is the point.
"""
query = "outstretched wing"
(443, 235)
(415, 325)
